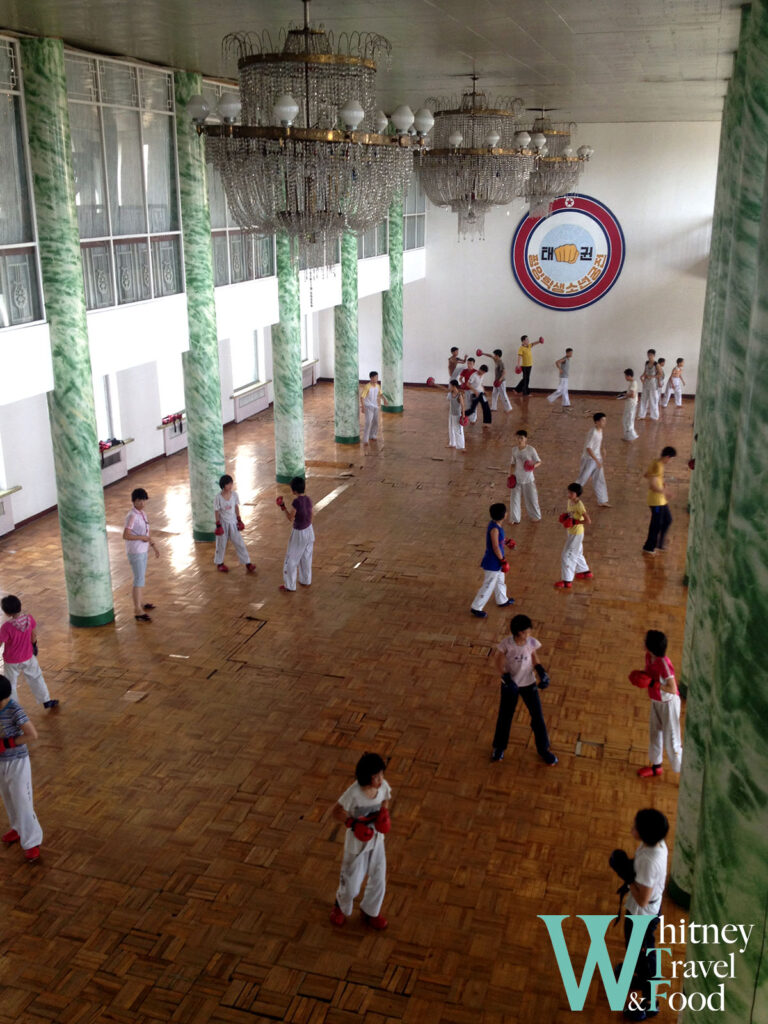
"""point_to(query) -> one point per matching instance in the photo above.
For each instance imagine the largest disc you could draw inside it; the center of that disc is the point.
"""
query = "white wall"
(659, 181)
(28, 455)
(140, 413)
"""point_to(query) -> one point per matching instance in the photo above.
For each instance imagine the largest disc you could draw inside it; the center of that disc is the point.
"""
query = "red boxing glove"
(497, 383)
(518, 369)
(504, 566)
(691, 463)
(361, 829)
(9, 743)
(511, 481)
(383, 821)
(529, 465)
(511, 544)
(430, 381)
(541, 341)
(478, 351)
(219, 531)
(280, 502)
(463, 420)
(640, 679)
(240, 524)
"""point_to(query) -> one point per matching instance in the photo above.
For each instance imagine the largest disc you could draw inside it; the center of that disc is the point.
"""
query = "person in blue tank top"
(494, 565)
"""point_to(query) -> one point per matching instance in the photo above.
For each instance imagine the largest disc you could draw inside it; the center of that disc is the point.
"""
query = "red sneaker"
(649, 771)
(337, 917)
(250, 567)
(11, 837)
(585, 575)
(378, 922)
(32, 854)
(563, 585)
(222, 568)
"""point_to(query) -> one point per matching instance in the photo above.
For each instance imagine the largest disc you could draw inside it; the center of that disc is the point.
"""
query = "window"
(374, 241)
(126, 193)
(414, 215)
(20, 293)
(237, 255)
(246, 362)
(106, 406)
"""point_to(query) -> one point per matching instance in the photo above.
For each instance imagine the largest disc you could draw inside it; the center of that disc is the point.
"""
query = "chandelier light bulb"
(522, 139)
(538, 140)
(423, 121)
(455, 139)
(197, 108)
(492, 139)
(544, 151)
(402, 119)
(381, 121)
(568, 152)
(352, 115)
(229, 108)
(285, 110)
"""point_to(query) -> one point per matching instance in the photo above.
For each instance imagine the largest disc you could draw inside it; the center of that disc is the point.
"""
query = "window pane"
(238, 243)
(19, 293)
(7, 66)
(420, 226)
(81, 78)
(15, 218)
(97, 275)
(160, 168)
(216, 199)
(156, 91)
(409, 242)
(166, 266)
(265, 258)
(132, 259)
(381, 238)
(118, 84)
(124, 172)
(88, 164)
(220, 263)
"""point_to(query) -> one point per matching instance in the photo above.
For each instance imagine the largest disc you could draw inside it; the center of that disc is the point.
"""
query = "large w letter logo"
(616, 989)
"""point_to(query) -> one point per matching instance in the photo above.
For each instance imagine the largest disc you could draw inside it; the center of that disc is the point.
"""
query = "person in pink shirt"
(137, 545)
(19, 638)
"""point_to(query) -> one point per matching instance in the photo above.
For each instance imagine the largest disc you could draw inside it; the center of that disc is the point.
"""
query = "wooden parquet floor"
(184, 787)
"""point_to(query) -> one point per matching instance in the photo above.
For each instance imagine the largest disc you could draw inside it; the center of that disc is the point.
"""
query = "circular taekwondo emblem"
(570, 258)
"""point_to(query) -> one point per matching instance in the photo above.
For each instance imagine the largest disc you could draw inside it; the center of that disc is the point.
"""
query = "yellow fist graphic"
(566, 254)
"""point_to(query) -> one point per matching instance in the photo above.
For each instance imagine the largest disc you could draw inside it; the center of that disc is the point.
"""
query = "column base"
(347, 440)
(285, 478)
(680, 896)
(93, 620)
(686, 580)
(204, 536)
(683, 690)
(391, 408)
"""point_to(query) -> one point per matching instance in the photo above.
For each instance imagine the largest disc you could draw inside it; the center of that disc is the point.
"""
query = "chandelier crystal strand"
(309, 158)
(557, 168)
(476, 160)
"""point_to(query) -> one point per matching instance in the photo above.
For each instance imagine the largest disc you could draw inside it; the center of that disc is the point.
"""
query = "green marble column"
(392, 316)
(286, 370)
(202, 388)
(346, 359)
(80, 492)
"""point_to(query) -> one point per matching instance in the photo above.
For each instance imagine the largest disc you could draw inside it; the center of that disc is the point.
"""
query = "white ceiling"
(594, 60)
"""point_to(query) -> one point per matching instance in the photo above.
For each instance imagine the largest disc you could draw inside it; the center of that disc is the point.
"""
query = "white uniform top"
(358, 805)
(594, 441)
(371, 396)
(521, 456)
(226, 506)
(632, 390)
(476, 383)
(650, 870)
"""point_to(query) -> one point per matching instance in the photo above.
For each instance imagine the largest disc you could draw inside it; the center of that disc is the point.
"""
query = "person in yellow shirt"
(525, 362)
(573, 564)
(657, 501)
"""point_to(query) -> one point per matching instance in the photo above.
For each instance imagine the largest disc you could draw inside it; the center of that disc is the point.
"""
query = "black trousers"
(482, 400)
(661, 519)
(507, 705)
(646, 962)
(523, 385)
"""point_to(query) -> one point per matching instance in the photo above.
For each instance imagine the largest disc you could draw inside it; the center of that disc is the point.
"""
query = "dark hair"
(656, 642)
(455, 383)
(454, 348)
(372, 374)
(680, 360)
(523, 337)
(5, 688)
(11, 605)
(630, 371)
(661, 359)
(483, 368)
(470, 359)
(521, 433)
(669, 452)
(568, 350)
(224, 480)
(298, 485)
(497, 351)
(368, 766)
(651, 351)
(519, 623)
(139, 494)
(497, 511)
(652, 826)
(598, 416)
(576, 488)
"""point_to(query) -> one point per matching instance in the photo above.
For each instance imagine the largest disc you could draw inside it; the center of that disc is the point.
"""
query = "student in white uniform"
(455, 416)
(16, 731)
(649, 397)
(661, 376)
(592, 461)
(573, 564)
(525, 459)
(229, 526)
(664, 726)
(364, 809)
(563, 365)
(499, 380)
(298, 557)
(630, 409)
(675, 385)
(370, 400)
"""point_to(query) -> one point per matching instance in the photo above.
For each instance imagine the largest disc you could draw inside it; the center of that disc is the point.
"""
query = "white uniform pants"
(628, 419)
(500, 393)
(562, 389)
(675, 387)
(494, 582)
(529, 492)
(664, 732)
(232, 533)
(371, 428)
(298, 558)
(649, 401)
(31, 672)
(455, 432)
(573, 560)
(589, 470)
(371, 860)
(16, 791)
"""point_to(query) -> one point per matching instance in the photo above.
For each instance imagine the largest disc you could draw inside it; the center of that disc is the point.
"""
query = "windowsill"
(174, 423)
(139, 302)
(21, 327)
(251, 280)
(9, 491)
(246, 389)
(309, 362)
(116, 447)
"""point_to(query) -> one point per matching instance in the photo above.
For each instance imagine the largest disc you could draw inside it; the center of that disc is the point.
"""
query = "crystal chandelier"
(478, 159)
(310, 157)
(557, 168)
